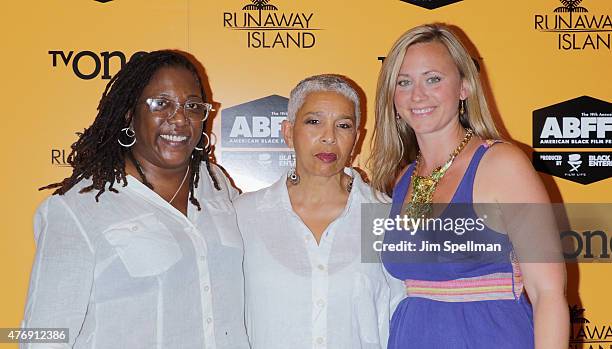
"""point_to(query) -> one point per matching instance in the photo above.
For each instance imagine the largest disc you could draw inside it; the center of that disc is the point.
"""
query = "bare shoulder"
(505, 174)
(504, 156)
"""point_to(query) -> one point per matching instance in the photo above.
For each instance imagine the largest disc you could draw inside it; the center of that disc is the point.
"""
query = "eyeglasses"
(166, 108)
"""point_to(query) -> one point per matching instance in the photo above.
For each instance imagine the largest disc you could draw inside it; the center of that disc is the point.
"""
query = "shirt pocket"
(145, 245)
(224, 218)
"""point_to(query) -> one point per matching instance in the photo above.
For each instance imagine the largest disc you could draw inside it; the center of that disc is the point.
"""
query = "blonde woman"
(435, 142)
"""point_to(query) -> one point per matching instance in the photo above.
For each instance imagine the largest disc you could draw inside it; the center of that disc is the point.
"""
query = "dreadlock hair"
(97, 154)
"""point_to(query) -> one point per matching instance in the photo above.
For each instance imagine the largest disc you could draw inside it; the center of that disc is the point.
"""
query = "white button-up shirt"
(303, 295)
(131, 271)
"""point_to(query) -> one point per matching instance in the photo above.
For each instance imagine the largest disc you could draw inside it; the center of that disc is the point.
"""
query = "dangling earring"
(207, 143)
(293, 177)
(462, 108)
(397, 116)
(130, 133)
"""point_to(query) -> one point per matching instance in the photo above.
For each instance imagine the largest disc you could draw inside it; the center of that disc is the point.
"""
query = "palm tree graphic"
(260, 5)
(571, 6)
(576, 315)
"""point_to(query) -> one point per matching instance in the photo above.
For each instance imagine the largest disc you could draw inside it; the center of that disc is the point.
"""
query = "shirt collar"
(277, 194)
(151, 196)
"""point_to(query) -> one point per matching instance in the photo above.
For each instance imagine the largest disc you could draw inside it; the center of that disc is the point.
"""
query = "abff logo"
(580, 167)
(255, 169)
(431, 4)
(254, 124)
(582, 122)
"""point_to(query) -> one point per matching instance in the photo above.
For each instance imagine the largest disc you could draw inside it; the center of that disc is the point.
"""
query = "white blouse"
(303, 295)
(131, 271)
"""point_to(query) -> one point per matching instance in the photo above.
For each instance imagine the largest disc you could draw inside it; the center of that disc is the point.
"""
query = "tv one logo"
(87, 65)
(586, 245)
(266, 27)
(576, 27)
(583, 122)
(255, 124)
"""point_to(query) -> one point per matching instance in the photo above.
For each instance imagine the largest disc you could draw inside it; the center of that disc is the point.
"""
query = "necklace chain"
(423, 187)
(139, 169)
(180, 186)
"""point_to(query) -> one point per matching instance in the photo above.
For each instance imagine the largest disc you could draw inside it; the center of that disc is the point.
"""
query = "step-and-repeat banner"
(546, 63)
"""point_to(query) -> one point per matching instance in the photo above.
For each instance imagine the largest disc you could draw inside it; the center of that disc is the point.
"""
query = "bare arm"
(509, 177)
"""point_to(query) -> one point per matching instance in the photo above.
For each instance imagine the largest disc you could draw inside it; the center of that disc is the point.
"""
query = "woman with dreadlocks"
(155, 263)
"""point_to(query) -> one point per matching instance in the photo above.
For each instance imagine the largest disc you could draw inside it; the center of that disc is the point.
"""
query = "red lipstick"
(327, 157)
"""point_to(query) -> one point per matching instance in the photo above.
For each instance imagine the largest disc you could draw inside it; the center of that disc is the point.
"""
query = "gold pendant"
(423, 187)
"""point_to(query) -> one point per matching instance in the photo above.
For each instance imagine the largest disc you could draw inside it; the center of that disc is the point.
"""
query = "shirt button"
(206, 288)
(321, 267)
(134, 228)
(320, 340)
(209, 320)
(320, 302)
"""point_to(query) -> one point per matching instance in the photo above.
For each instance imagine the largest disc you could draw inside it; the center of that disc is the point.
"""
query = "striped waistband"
(496, 286)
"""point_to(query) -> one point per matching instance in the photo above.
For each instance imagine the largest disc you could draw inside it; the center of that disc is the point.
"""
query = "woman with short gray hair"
(305, 284)
(323, 82)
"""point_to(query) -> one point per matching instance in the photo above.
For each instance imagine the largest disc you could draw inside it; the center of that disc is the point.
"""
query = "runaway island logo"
(267, 27)
(576, 27)
(586, 335)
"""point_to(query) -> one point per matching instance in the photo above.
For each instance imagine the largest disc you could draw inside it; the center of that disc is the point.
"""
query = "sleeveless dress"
(458, 300)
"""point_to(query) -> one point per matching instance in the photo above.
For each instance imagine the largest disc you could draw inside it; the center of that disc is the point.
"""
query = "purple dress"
(461, 300)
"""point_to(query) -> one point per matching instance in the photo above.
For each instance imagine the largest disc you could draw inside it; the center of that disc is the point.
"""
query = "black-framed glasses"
(162, 107)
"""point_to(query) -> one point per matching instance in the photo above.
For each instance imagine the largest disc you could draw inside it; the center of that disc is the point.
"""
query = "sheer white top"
(303, 295)
(131, 271)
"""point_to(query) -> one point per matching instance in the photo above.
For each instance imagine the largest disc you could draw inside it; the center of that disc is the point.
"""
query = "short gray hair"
(322, 83)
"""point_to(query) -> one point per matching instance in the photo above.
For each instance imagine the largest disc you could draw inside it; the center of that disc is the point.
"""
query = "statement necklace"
(423, 187)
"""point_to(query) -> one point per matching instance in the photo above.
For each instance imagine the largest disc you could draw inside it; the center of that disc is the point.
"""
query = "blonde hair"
(394, 144)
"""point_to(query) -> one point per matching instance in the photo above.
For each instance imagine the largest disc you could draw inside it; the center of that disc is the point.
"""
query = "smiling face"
(428, 88)
(323, 133)
(167, 142)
